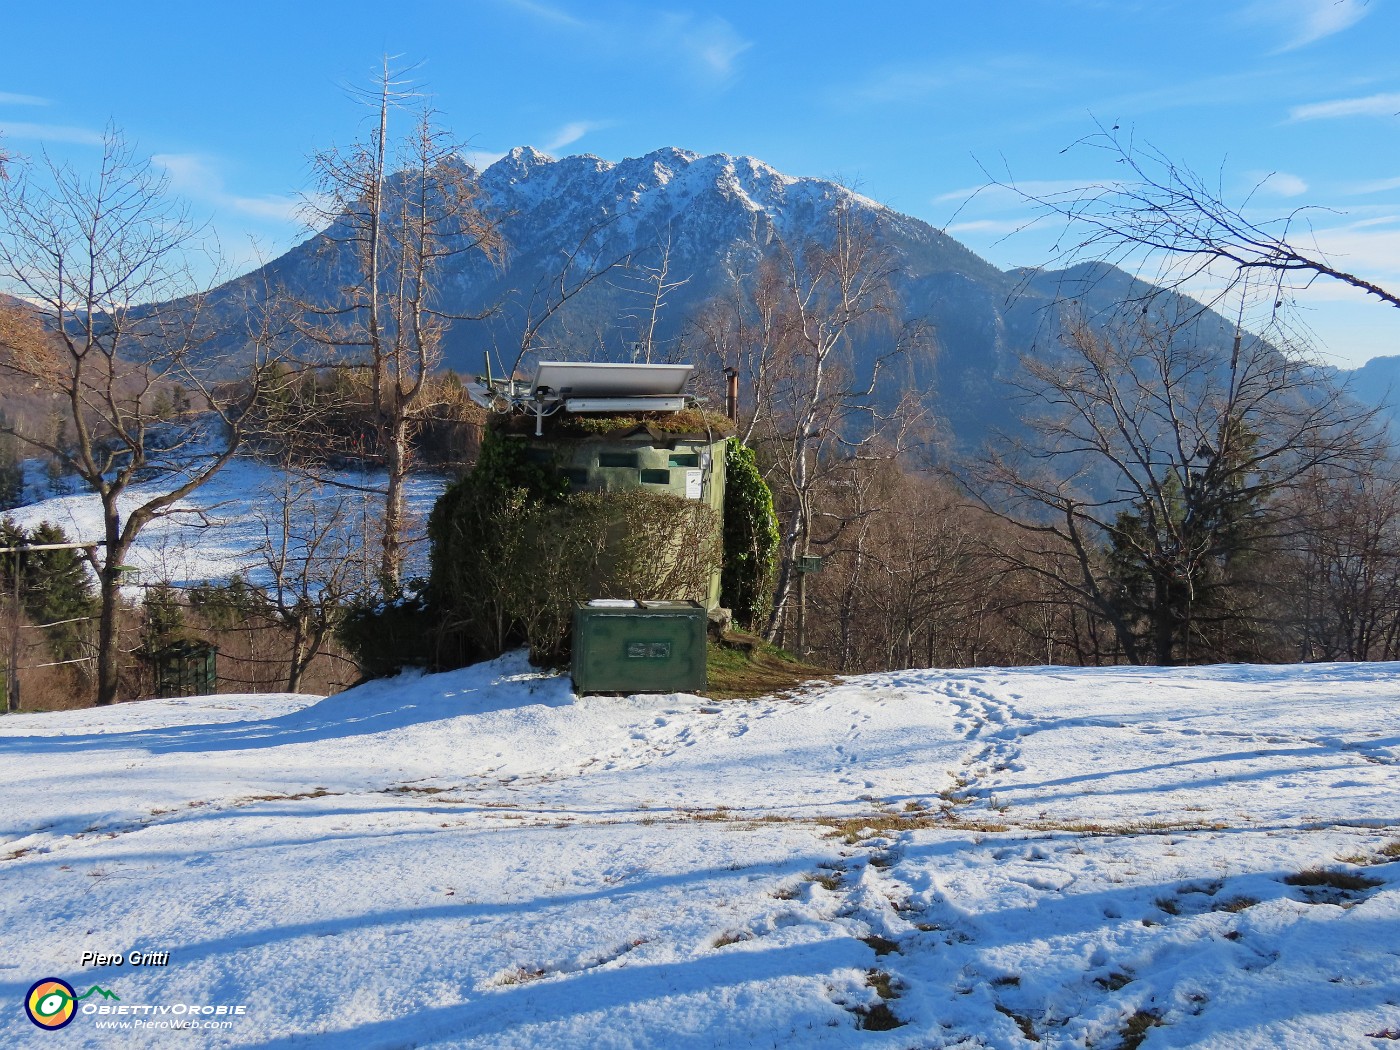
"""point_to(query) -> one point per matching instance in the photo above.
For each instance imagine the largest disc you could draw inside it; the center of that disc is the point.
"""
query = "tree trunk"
(396, 460)
(786, 568)
(299, 657)
(109, 615)
(1162, 626)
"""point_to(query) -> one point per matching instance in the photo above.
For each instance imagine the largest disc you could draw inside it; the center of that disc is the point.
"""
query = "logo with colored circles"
(51, 1003)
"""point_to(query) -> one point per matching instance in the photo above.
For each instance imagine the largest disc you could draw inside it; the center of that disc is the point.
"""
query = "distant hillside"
(1377, 382)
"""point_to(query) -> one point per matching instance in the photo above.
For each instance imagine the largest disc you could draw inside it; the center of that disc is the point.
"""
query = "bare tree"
(397, 214)
(655, 285)
(307, 535)
(814, 404)
(1152, 461)
(102, 257)
(1158, 210)
(1343, 590)
(580, 265)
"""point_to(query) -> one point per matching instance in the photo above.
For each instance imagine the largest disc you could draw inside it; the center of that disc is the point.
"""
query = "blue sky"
(910, 102)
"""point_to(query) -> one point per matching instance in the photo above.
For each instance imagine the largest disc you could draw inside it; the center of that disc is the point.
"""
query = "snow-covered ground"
(482, 859)
(217, 531)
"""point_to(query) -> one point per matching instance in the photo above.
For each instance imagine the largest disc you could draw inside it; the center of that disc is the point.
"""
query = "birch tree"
(815, 405)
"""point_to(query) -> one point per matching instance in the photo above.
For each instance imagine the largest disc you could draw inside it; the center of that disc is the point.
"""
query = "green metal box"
(639, 647)
(185, 668)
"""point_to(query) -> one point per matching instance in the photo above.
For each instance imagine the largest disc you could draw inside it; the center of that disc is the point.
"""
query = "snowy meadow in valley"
(217, 532)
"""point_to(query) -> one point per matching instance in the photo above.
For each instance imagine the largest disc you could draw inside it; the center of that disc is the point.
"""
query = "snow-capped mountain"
(718, 215)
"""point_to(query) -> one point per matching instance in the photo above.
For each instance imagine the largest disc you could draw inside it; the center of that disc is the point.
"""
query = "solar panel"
(570, 379)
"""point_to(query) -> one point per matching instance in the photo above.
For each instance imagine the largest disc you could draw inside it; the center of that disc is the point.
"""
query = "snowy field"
(1086, 858)
(217, 531)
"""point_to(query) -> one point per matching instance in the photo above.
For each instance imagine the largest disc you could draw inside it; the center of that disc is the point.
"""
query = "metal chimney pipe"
(731, 393)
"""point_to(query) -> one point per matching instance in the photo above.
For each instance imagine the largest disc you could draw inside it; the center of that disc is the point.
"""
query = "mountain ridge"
(717, 215)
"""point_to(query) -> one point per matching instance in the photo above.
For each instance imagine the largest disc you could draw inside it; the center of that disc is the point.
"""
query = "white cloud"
(481, 159)
(1386, 105)
(1303, 22)
(1282, 184)
(1377, 186)
(571, 133)
(9, 98)
(546, 12)
(196, 177)
(992, 226)
(706, 45)
(710, 43)
(1362, 249)
(50, 133)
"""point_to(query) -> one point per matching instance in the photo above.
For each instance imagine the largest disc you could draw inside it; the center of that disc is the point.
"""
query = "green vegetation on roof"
(689, 421)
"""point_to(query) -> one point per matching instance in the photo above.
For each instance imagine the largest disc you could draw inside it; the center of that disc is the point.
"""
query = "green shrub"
(750, 538)
(512, 549)
(388, 635)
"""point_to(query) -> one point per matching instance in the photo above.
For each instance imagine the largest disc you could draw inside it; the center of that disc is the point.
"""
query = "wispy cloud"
(546, 13)
(571, 133)
(706, 45)
(16, 129)
(1377, 186)
(710, 42)
(197, 177)
(1304, 22)
(481, 159)
(1128, 106)
(994, 194)
(903, 85)
(9, 98)
(1281, 184)
(1369, 248)
(991, 226)
(564, 137)
(1385, 105)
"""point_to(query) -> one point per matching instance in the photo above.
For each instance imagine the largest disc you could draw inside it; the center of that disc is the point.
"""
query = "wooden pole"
(12, 676)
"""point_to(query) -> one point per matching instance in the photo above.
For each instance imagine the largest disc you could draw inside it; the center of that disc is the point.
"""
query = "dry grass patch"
(319, 792)
(1333, 878)
(743, 666)
(881, 945)
(729, 937)
(1134, 827)
(1136, 1027)
(1114, 981)
(520, 975)
(1235, 905)
(879, 1018)
(881, 825)
(1023, 1022)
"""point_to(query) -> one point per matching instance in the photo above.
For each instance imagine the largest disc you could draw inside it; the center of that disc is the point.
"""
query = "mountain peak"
(528, 155)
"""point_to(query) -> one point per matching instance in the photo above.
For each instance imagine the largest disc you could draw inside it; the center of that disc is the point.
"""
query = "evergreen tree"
(1179, 562)
(55, 586)
(11, 472)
